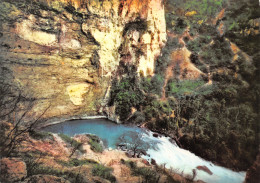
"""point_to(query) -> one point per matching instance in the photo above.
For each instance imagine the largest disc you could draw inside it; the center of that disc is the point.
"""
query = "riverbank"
(57, 121)
(52, 157)
(160, 148)
(173, 137)
(199, 146)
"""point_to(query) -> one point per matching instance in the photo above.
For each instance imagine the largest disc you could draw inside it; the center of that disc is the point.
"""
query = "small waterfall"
(184, 162)
(161, 149)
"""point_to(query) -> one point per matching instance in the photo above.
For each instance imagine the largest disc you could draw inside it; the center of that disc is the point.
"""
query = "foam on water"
(183, 161)
(161, 149)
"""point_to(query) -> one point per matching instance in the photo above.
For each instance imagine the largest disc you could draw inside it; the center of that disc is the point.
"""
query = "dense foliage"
(95, 143)
(215, 116)
(104, 172)
(148, 174)
(125, 94)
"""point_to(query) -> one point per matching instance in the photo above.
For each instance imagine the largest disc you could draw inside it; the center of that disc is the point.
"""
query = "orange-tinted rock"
(12, 169)
(221, 29)
(234, 48)
(181, 60)
(45, 179)
(181, 67)
(205, 169)
(66, 59)
(239, 53)
(145, 162)
(219, 16)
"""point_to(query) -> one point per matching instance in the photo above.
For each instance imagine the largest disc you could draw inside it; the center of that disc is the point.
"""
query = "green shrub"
(95, 146)
(39, 135)
(40, 169)
(95, 143)
(76, 162)
(204, 9)
(218, 54)
(148, 174)
(124, 95)
(184, 87)
(72, 142)
(104, 172)
(7, 11)
(34, 167)
(137, 118)
(197, 44)
(73, 177)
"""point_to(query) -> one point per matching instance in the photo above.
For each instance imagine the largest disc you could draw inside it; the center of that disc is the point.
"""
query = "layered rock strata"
(64, 53)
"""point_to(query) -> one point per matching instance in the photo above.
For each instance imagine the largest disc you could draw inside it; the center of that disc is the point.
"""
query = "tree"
(15, 134)
(15, 108)
(133, 142)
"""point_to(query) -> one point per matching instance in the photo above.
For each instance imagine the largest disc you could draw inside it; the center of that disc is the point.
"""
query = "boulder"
(12, 169)
(153, 162)
(128, 154)
(122, 147)
(205, 169)
(145, 162)
(143, 152)
(45, 179)
(100, 180)
(155, 135)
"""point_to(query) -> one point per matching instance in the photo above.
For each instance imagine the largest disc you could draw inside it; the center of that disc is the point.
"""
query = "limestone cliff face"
(63, 53)
(128, 31)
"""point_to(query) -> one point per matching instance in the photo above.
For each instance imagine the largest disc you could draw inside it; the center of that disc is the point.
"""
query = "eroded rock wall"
(64, 53)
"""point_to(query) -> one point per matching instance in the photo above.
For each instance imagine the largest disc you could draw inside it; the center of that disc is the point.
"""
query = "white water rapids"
(161, 149)
(183, 162)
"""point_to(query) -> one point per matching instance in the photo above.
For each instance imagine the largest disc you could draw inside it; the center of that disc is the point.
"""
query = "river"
(162, 150)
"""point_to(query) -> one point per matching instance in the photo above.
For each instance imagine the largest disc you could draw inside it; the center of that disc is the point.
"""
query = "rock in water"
(155, 135)
(153, 162)
(205, 169)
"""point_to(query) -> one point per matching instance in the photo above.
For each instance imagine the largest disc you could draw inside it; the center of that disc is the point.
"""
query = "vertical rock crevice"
(67, 51)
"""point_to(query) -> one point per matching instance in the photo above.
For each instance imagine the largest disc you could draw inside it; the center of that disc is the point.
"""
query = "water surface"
(108, 131)
(160, 149)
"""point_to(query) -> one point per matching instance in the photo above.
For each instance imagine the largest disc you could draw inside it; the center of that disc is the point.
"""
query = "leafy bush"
(34, 167)
(95, 143)
(148, 174)
(104, 172)
(198, 43)
(76, 162)
(137, 118)
(153, 84)
(177, 88)
(73, 177)
(218, 54)
(8, 12)
(204, 9)
(75, 144)
(125, 95)
(38, 135)
(164, 59)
